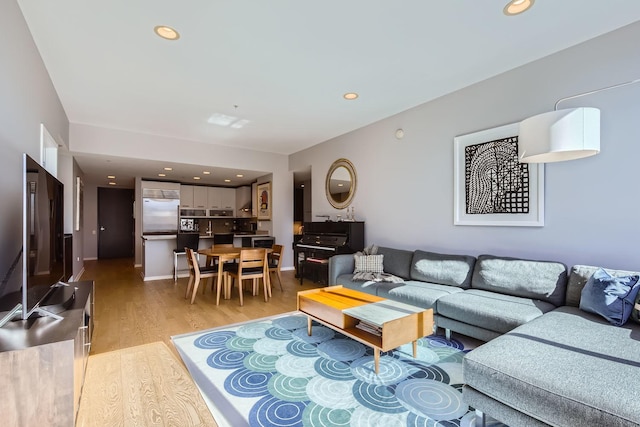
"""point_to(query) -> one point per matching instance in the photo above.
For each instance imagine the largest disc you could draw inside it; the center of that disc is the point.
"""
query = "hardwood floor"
(129, 380)
(130, 312)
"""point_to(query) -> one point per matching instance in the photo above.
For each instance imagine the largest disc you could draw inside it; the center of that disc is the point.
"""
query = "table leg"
(220, 285)
(376, 359)
(309, 326)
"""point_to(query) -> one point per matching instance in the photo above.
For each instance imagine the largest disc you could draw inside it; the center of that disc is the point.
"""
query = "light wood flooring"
(129, 315)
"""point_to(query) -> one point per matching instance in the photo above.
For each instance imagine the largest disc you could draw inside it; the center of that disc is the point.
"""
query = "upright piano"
(320, 241)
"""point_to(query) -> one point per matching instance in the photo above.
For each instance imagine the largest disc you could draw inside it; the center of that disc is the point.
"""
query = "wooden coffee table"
(377, 322)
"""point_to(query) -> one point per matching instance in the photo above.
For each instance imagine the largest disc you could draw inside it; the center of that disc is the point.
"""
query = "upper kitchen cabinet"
(221, 198)
(200, 197)
(186, 196)
(243, 202)
(193, 196)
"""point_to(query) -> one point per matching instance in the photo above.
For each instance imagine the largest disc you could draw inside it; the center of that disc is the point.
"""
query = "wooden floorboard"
(126, 382)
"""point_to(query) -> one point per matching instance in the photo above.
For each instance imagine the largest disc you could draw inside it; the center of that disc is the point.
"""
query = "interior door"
(115, 223)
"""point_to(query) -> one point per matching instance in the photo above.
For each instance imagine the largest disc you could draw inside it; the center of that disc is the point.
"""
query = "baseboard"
(77, 278)
(287, 268)
(150, 278)
(91, 259)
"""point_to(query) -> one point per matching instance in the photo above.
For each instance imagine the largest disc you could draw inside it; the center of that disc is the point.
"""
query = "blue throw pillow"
(610, 297)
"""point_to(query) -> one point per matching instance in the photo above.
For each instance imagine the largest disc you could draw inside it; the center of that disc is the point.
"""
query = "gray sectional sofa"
(546, 362)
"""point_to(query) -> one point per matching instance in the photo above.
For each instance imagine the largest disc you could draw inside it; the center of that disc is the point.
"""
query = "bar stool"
(184, 240)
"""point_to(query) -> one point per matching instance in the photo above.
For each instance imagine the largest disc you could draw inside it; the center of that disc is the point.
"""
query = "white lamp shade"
(560, 135)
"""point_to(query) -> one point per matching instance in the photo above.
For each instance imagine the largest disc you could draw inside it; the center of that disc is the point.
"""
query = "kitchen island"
(157, 253)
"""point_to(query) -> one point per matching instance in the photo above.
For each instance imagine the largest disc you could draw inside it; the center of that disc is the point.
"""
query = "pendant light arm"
(594, 91)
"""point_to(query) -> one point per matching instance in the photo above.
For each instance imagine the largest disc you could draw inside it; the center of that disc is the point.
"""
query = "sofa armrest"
(338, 265)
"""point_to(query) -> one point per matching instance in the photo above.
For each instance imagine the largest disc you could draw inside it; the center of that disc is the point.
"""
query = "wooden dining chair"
(196, 273)
(275, 264)
(228, 265)
(251, 265)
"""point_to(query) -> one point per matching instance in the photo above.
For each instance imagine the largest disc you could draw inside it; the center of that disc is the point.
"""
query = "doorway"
(115, 223)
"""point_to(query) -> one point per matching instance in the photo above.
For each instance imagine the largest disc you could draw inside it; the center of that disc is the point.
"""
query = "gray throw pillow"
(611, 297)
(368, 264)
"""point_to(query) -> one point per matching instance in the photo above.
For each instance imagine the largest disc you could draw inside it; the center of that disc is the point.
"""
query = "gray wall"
(28, 99)
(405, 187)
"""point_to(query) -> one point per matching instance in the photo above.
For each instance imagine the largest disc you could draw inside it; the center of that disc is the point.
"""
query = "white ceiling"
(284, 65)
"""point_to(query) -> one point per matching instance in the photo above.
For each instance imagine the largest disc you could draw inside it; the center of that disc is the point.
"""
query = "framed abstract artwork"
(491, 186)
(264, 201)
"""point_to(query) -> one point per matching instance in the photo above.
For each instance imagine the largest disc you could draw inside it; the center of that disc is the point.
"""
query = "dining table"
(224, 254)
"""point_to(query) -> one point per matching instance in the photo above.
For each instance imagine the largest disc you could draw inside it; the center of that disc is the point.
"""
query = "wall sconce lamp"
(561, 135)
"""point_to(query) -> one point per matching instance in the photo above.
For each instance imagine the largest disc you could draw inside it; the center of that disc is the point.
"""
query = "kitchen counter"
(158, 236)
(157, 253)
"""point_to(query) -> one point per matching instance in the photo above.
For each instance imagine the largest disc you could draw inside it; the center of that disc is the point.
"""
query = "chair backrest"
(191, 258)
(275, 256)
(221, 245)
(224, 238)
(252, 260)
(187, 240)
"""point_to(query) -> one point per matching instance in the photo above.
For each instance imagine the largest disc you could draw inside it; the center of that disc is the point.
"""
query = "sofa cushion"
(539, 280)
(452, 270)
(421, 294)
(397, 261)
(579, 276)
(490, 310)
(347, 281)
(609, 296)
(567, 367)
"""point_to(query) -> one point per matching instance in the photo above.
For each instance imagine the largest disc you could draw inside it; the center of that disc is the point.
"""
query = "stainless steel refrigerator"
(160, 211)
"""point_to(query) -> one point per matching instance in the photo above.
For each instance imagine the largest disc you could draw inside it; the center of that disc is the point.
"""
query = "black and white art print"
(491, 186)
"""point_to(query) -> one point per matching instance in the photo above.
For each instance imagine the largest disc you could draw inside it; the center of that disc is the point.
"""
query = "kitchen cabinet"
(228, 198)
(186, 196)
(243, 201)
(200, 197)
(193, 196)
(221, 198)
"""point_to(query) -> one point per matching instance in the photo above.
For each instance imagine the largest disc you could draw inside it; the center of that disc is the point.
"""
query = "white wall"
(405, 187)
(27, 99)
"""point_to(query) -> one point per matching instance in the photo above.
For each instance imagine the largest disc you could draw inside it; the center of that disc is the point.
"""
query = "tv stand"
(61, 297)
(43, 361)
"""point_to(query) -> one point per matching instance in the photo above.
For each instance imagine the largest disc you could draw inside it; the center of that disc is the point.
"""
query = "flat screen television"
(42, 254)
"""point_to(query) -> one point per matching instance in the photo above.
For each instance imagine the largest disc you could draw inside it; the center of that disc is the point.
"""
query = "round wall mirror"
(341, 183)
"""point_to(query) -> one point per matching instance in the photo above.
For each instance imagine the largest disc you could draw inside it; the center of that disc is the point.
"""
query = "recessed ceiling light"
(168, 169)
(206, 172)
(227, 180)
(162, 174)
(301, 185)
(350, 96)
(111, 176)
(239, 175)
(112, 183)
(166, 32)
(196, 177)
(515, 7)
